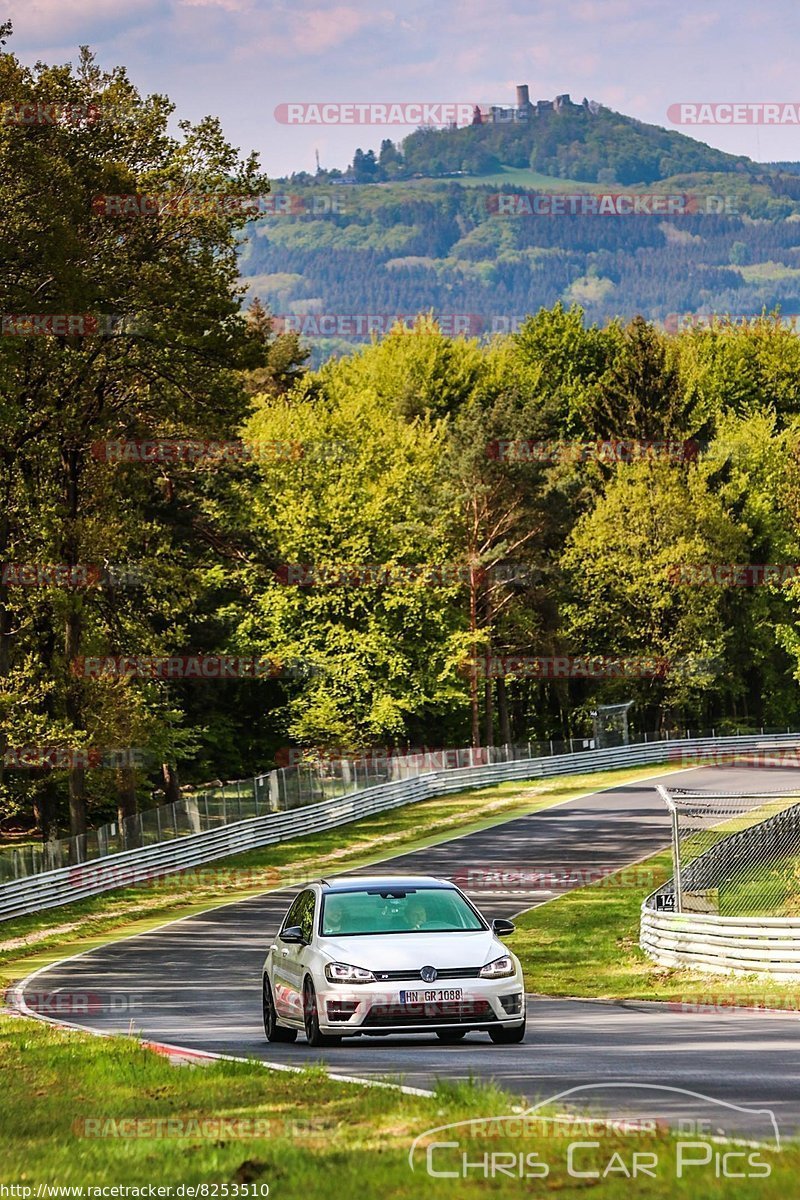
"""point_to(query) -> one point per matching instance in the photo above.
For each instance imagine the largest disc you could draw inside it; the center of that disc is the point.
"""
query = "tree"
(622, 565)
(158, 354)
(351, 511)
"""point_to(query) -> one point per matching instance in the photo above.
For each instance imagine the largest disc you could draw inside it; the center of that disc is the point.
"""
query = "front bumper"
(378, 1008)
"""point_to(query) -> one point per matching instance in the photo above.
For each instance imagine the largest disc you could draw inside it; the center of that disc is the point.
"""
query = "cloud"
(46, 22)
(227, 5)
(325, 28)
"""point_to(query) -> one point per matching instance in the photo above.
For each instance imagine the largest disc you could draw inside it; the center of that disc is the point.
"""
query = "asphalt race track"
(195, 983)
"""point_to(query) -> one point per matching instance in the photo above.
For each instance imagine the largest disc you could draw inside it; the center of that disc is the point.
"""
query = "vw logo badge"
(429, 974)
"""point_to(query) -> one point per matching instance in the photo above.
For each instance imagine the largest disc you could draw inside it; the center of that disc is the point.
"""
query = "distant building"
(523, 110)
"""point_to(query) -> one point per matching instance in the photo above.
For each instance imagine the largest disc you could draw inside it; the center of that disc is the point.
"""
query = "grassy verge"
(83, 1111)
(92, 1112)
(30, 942)
(586, 943)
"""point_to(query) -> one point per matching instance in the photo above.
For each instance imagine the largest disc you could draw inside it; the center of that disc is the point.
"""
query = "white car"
(379, 955)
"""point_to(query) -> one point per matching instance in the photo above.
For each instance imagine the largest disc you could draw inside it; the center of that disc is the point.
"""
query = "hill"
(586, 142)
(512, 215)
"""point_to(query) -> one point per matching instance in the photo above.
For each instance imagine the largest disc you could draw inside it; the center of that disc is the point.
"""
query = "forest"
(213, 552)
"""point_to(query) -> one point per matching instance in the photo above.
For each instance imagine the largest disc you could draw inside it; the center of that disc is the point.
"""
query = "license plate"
(432, 997)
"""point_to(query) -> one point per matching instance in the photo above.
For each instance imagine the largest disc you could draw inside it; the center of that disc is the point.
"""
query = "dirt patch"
(39, 936)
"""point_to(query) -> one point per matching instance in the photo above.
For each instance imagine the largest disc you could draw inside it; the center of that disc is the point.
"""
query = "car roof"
(350, 883)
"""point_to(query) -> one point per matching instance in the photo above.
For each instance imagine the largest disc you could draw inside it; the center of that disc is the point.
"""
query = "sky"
(240, 59)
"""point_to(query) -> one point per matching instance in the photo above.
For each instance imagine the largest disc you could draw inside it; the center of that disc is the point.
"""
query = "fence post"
(676, 860)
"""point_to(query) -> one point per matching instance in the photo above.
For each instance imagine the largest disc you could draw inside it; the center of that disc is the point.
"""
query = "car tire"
(314, 1036)
(451, 1035)
(274, 1031)
(503, 1036)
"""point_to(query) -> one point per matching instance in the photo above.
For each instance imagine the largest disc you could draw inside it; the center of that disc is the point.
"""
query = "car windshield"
(397, 910)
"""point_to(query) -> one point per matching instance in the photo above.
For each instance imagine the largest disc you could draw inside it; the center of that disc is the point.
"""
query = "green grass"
(586, 943)
(768, 272)
(306, 1136)
(318, 1137)
(30, 942)
(763, 889)
(524, 177)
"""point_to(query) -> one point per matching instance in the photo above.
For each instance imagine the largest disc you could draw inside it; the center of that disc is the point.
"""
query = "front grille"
(444, 973)
(452, 1012)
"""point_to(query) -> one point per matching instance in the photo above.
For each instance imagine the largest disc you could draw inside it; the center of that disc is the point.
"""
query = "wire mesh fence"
(310, 782)
(320, 778)
(733, 854)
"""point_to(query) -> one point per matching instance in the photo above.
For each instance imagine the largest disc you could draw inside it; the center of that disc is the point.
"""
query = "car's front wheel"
(274, 1031)
(314, 1036)
(503, 1036)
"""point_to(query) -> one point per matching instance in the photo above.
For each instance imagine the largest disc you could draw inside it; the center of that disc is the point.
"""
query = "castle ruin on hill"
(524, 110)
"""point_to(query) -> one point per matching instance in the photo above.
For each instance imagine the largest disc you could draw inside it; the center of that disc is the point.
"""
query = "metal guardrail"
(722, 943)
(131, 867)
(50, 889)
(307, 782)
(213, 805)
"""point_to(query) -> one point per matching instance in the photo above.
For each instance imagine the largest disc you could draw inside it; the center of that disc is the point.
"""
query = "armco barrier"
(722, 945)
(53, 888)
(718, 944)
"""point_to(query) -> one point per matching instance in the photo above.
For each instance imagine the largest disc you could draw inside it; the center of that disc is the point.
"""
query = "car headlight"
(344, 973)
(499, 969)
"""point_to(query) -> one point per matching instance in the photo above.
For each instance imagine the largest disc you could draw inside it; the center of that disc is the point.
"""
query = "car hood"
(410, 951)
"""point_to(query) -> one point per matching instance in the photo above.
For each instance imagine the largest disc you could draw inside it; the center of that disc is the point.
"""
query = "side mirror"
(502, 927)
(294, 935)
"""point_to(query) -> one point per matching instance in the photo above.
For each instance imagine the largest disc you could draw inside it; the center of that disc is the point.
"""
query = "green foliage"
(573, 143)
(428, 549)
